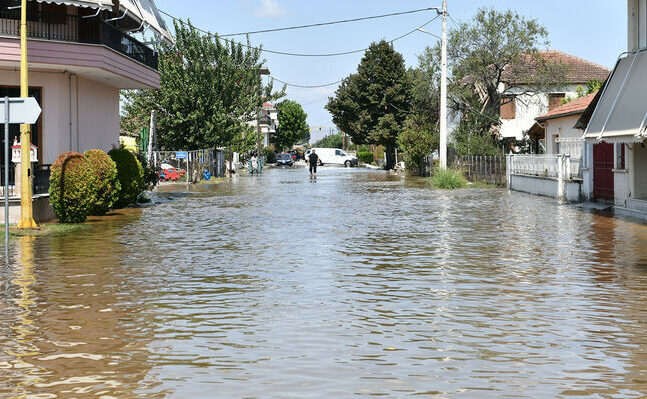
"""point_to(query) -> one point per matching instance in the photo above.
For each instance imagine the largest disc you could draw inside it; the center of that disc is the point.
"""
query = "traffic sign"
(181, 155)
(21, 110)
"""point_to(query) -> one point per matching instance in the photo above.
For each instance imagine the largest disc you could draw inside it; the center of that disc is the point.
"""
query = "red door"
(603, 171)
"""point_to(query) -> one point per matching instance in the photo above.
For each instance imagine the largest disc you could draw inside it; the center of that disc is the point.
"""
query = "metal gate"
(603, 172)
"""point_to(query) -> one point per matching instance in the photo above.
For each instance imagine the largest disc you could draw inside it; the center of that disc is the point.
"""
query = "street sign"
(181, 155)
(21, 110)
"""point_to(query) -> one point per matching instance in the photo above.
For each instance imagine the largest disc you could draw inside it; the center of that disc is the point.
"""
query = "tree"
(417, 140)
(592, 86)
(372, 104)
(293, 127)
(331, 141)
(209, 91)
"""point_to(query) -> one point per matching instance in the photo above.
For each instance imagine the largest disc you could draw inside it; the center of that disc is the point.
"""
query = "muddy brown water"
(358, 284)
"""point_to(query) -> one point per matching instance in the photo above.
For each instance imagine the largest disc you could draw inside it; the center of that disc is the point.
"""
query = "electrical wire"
(330, 23)
(304, 86)
(298, 54)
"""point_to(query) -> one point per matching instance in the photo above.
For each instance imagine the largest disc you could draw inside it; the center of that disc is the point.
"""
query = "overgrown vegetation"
(448, 179)
(365, 157)
(332, 141)
(417, 141)
(131, 176)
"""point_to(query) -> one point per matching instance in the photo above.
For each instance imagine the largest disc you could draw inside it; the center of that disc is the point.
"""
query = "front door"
(603, 172)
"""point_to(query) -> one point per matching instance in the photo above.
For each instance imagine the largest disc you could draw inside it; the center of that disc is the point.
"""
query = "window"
(620, 156)
(555, 100)
(508, 107)
(339, 153)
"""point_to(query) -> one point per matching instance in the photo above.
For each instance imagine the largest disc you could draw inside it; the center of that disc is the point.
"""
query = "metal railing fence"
(482, 168)
(194, 165)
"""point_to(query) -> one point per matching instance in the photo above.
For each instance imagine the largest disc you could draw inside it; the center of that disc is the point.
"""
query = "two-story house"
(521, 106)
(80, 53)
(616, 126)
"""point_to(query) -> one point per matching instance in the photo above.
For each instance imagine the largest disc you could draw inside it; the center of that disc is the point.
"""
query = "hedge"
(365, 157)
(108, 186)
(131, 175)
(73, 187)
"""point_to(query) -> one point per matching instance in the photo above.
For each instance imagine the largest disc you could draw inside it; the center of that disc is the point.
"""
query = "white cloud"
(269, 9)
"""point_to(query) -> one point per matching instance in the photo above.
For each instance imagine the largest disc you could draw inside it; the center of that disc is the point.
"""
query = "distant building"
(522, 107)
(268, 121)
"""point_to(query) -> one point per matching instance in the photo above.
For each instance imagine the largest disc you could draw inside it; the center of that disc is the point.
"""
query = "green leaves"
(293, 127)
(210, 90)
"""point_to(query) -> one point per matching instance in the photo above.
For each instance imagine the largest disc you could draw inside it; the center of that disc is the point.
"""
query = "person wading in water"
(313, 160)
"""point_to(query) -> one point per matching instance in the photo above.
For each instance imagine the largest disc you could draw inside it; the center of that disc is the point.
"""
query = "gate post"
(508, 170)
(561, 175)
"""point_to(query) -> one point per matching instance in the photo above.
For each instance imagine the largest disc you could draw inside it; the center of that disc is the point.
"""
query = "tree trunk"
(231, 160)
(390, 157)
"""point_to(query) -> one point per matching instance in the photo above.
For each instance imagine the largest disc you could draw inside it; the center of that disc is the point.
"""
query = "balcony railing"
(75, 29)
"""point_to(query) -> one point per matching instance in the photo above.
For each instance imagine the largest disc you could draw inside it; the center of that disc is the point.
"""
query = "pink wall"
(94, 112)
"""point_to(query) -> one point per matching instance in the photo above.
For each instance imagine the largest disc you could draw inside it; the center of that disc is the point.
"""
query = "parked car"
(333, 156)
(284, 159)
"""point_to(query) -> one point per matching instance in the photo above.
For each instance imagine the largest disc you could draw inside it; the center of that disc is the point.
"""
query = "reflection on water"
(359, 283)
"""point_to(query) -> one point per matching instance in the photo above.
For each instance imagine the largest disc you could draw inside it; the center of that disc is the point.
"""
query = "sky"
(595, 30)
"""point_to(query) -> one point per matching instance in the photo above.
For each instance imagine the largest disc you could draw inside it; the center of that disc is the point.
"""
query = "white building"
(616, 154)
(521, 107)
(268, 121)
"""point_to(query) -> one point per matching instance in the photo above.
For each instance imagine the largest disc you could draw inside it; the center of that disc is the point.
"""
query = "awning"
(103, 4)
(144, 12)
(621, 113)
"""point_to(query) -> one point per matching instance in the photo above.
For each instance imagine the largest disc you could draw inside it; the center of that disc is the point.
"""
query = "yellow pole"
(26, 211)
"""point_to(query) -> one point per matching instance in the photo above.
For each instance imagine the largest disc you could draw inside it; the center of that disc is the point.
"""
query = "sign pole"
(26, 211)
(6, 171)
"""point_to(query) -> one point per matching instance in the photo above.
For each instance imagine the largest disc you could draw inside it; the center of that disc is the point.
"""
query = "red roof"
(267, 105)
(577, 70)
(575, 107)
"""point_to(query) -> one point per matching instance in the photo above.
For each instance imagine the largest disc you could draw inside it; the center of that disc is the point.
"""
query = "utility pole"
(262, 71)
(26, 211)
(443, 91)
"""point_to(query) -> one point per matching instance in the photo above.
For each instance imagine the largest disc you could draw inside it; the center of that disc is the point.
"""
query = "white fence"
(546, 166)
(552, 175)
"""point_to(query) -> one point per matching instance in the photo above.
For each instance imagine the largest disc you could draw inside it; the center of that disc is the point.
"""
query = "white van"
(333, 156)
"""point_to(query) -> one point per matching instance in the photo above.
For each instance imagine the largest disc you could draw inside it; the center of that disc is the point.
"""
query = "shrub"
(448, 179)
(151, 178)
(131, 176)
(270, 154)
(73, 187)
(365, 156)
(108, 187)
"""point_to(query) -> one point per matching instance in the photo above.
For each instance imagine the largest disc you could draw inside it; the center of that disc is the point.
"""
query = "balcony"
(76, 29)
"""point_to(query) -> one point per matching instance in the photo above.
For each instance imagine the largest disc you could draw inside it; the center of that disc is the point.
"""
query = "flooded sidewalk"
(357, 284)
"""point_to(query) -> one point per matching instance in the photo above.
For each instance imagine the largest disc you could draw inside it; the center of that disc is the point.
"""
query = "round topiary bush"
(72, 189)
(131, 175)
(108, 186)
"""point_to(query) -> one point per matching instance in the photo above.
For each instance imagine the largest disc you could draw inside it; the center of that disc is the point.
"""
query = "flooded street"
(359, 283)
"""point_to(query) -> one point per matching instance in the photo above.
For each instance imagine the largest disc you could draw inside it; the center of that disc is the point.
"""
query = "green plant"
(150, 178)
(448, 179)
(269, 153)
(365, 157)
(131, 176)
(108, 186)
(73, 187)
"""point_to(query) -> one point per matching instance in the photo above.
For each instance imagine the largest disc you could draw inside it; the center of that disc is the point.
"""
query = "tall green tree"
(293, 127)
(372, 104)
(209, 91)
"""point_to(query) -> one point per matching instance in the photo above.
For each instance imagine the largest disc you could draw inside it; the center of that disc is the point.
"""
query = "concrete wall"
(544, 186)
(92, 121)
(529, 107)
(43, 211)
(564, 129)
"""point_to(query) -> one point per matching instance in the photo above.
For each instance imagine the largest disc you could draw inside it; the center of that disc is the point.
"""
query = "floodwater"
(358, 284)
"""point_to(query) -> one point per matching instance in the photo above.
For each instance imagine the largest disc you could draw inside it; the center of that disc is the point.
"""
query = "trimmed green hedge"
(73, 187)
(108, 186)
(365, 157)
(131, 176)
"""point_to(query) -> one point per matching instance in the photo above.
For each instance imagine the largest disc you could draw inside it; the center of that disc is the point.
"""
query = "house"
(520, 106)
(561, 135)
(615, 156)
(268, 121)
(81, 54)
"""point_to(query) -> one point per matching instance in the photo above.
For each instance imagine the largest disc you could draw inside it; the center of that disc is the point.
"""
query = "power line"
(330, 23)
(304, 86)
(298, 54)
